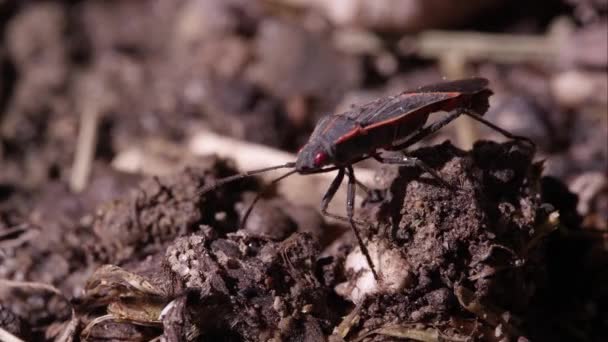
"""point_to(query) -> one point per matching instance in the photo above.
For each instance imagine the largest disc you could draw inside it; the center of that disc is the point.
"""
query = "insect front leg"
(331, 192)
(329, 195)
(350, 212)
(414, 162)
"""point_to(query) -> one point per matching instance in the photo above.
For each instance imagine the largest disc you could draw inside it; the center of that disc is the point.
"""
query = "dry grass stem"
(85, 150)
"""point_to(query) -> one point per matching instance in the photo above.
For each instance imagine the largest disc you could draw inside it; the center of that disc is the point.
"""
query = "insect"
(387, 124)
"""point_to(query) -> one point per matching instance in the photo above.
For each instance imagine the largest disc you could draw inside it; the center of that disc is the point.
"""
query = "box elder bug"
(391, 123)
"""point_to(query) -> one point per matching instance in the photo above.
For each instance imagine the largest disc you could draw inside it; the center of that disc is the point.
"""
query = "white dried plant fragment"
(391, 266)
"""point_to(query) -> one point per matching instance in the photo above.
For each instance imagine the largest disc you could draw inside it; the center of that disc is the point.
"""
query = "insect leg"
(498, 129)
(428, 130)
(412, 161)
(331, 192)
(350, 212)
(329, 195)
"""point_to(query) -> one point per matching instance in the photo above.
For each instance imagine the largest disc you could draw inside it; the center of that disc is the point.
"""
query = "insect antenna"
(246, 174)
(261, 193)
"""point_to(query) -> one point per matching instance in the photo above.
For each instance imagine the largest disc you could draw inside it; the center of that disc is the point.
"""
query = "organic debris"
(111, 113)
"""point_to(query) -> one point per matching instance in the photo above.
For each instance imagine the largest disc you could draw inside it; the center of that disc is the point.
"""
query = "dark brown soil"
(479, 238)
(517, 251)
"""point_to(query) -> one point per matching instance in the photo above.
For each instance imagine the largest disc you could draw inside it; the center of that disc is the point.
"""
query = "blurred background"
(93, 92)
(149, 71)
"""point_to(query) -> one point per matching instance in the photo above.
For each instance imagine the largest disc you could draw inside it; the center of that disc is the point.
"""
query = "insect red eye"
(320, 158)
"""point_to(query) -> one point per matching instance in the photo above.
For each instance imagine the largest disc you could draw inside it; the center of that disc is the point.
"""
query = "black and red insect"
(387, 124)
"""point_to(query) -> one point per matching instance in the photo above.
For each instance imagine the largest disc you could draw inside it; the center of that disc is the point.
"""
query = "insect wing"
(321, 127)
(390, 108)
(411, 102)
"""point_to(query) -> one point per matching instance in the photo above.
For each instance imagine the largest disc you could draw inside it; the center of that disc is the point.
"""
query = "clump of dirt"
(275, 218)
(211, 287)
(263, 288)
(474, 252)
(60, 240)
(163, 208)
(162, 252)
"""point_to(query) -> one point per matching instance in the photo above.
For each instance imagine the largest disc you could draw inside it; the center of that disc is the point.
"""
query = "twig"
(501, 48)
(454, 50)
(95, 98)
(26, 232)
(85, 149)
(7, 283)
(347, 323)
(455, 66)
(68, 333)
(6, 336)
(12, 230)
(18, 241)
(86, 332)
(487, 313)
(414, 333)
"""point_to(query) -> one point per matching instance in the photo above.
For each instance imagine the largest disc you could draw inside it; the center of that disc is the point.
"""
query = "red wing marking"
(409, 105)
(401, 109)
(423, 110)
(351, 134)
